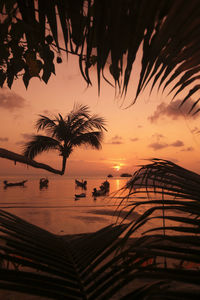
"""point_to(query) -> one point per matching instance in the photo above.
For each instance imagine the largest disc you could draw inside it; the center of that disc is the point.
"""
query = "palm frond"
(164, 175)
(35, 261)
(61, 130)
(177, 189)
(95, 265)
(45, 122)
(83, 125)
(98, 122)
(76, 118)
(78, 111)
(39, 144)
(92, 139)
(161, 263)
(76, 129)
(168, 225)
(106, 35)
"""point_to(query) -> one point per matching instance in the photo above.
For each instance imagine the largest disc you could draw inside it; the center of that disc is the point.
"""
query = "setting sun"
(117, 168)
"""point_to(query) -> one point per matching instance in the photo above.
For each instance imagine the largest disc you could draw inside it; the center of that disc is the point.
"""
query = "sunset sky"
(152, 127)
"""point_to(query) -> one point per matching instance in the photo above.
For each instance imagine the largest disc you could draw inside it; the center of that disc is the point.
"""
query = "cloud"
(10, 100)
(72, 76)
(46, 112)
(177, 144)
(195, 130)
(134, 139)
(188, 149)
(158, 146)
(173, 111)
(116, 140)
(116, 143)
(26, 137)
(158, 136)
(3, 139)
(50, 113)
(117, 137)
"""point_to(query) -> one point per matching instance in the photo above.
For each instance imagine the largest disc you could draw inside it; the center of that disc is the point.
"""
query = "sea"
(56, 208)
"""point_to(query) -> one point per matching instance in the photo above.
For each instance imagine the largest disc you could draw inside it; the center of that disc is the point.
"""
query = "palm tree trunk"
(4, 153)
(64, 164)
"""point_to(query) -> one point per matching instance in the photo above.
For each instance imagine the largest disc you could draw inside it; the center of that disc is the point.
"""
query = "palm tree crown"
(64, 134)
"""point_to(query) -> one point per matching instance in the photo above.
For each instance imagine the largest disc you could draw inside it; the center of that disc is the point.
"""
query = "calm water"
(55, 208)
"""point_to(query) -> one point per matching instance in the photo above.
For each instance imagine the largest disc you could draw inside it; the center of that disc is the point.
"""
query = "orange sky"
(149, 128)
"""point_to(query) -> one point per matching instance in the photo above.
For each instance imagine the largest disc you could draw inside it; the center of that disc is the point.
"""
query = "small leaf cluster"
(24, 52)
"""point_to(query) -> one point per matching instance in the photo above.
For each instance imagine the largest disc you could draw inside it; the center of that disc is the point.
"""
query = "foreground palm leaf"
(169, 226)
(100, 265)
(66, 266)
(100, 33)
(76, 129)
(177, 191)
(87, 266)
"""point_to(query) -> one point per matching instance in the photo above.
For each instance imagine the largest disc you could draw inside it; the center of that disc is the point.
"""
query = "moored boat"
(82, 183)
(104, 189)
(97, 193)
(20, 183)
(125, 175)
(82, 195)
(44, 182)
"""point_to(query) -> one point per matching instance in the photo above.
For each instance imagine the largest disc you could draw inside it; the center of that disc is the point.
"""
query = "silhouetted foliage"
(163, 263)
(100, 33)
(155, 255)
(64, 134)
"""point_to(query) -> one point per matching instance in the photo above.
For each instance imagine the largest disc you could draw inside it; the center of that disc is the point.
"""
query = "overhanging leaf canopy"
(100, 33)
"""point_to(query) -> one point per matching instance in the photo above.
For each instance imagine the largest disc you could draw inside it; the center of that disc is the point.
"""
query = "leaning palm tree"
(78, 128)
(106, 35)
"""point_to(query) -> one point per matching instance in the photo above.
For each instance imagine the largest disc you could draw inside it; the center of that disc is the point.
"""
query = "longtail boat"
(21, 183)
